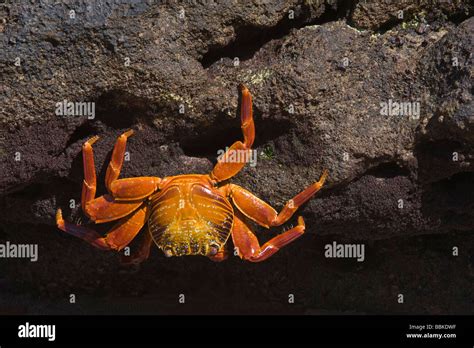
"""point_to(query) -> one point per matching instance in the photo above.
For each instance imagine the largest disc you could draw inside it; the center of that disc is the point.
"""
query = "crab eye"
(168, 252)
(213, 249)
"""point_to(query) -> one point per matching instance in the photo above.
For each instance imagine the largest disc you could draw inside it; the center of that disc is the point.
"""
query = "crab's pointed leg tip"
(129, 133)
(92, 140)
(324, 175)
(301, 221)
(243, 88)
(59, 219)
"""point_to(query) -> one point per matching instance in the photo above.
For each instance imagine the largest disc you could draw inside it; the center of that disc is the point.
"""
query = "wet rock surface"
(320, 74)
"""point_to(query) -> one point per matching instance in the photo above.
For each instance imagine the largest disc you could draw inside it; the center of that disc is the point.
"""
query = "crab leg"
(225, 167)
(108, 208)
(130, 188)
(117, 238)
(262, 213)
(89, 184)
(248, 246)
(116, 161)
(246, 117)
(105, 208)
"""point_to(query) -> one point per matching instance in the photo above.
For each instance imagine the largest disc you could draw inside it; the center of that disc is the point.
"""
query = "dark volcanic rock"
(381, 15)
(170, 71)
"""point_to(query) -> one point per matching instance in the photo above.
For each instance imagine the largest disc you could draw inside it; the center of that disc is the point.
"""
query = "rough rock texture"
(318, 82)
(381, 15)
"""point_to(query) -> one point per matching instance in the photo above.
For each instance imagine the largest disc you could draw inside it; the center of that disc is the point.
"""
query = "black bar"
(288, 330)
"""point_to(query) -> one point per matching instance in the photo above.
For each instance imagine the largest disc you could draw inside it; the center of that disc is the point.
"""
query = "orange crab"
(186, 214)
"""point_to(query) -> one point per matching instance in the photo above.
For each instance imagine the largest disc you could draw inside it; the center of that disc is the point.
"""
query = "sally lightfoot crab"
(186, 214)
